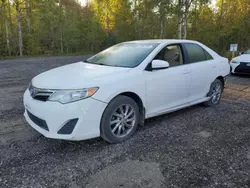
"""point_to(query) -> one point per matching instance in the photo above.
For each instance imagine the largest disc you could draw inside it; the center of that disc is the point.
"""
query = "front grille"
(40, 94)
(39, 122)
(243, 68)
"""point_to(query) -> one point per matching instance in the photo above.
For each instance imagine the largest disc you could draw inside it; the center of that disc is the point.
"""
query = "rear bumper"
(56, 115)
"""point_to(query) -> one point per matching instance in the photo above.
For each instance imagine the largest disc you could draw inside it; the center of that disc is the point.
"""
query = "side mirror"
(241, 53)
(159, 64)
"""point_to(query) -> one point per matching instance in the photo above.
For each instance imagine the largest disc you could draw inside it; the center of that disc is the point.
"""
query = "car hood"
(76, 76)
(243, 58)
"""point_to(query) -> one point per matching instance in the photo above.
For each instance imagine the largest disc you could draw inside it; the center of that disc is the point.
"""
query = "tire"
(215, 93)
(117, 112)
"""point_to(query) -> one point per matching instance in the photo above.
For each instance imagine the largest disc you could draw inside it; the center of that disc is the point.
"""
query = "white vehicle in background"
(109, 94)
(241, 64)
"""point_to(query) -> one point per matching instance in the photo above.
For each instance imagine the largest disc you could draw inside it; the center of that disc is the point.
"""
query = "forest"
(62, 27)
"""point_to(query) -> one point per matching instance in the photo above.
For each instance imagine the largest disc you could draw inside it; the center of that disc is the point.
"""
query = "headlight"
(67, 96)
(235, 61)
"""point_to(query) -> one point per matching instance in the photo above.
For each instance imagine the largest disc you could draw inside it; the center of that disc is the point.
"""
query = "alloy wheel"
(216, 93)
(122, 120)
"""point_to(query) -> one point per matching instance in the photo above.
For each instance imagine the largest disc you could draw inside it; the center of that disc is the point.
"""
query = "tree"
(180, 18)
(61, 24)
(19, 23)
(164, 7)
(28, 15)
(51, 27)
(5, 16)
(187, 4)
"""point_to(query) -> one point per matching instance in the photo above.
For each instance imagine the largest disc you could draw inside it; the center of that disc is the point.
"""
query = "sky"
(213, 2)
(82, 2)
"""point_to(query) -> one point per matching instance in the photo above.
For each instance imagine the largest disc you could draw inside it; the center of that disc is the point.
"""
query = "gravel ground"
(194, 147)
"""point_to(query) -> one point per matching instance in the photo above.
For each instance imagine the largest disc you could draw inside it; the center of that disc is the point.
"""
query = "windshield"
(123, 55)
(247, 52)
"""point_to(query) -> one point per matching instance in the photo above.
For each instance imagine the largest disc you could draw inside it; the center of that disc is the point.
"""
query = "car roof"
(162, 41)
(171, 41)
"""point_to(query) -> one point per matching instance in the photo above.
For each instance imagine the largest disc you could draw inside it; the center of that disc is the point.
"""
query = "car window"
(195, 53)
(172, 54)
(123, 55)
(208, 56)
(247, 52)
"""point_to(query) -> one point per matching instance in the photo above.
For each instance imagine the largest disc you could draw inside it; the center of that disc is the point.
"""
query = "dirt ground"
(195, 147)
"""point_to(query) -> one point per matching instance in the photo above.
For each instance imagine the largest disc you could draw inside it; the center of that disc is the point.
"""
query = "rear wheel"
(120, 119)
(215, 93)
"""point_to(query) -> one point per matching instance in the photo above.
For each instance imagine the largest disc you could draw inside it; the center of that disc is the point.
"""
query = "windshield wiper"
(102, 64)
(86, 61)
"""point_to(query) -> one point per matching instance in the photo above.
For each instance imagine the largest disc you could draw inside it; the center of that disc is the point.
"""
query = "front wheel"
(120, 119)
(215, 93)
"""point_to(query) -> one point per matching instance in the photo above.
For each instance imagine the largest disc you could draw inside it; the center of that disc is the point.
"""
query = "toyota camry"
(114, 91)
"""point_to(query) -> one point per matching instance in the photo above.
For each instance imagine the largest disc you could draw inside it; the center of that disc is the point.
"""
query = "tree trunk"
(52, 47)
(180, 26)
(180, 15)
(187, 6)
(5, 19)
(162, 35)
(9, 11)
(136, 18)
(27, 4)
(220, 26)
(7, 37)
(194, 19)
(107, 16)
(61, 27)
(162, 20)
(185, 25)
(20, 36)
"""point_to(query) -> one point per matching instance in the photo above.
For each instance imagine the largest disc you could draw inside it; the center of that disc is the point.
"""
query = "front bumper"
(241, 68)
(88, 112)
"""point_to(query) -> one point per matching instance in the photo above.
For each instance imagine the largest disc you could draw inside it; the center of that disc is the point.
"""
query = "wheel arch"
(221, 78)
(138, 101)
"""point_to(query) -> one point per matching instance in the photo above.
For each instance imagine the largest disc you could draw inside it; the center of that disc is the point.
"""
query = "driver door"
(168, 88)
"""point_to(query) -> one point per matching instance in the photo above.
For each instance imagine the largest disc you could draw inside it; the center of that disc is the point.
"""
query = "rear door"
(204, 70)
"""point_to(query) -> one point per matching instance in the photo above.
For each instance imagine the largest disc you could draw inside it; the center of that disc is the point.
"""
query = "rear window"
(208, 56)
(195, 53)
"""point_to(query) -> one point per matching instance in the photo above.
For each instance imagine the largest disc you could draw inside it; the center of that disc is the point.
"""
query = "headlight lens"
(67, 96)
(234, 61)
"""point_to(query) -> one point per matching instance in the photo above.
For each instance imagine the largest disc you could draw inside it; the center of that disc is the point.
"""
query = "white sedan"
(241, 64)
(109, 94)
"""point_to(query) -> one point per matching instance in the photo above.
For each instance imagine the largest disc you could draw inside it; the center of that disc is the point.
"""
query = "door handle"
(186, 72)
(214, 66)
